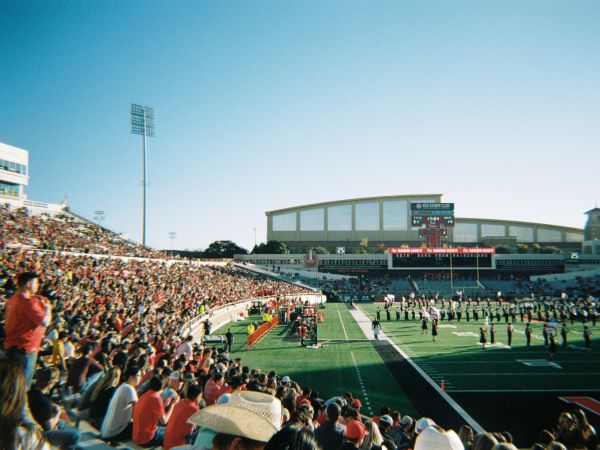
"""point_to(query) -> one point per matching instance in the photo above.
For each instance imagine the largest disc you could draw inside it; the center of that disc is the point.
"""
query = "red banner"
(260, 332)
(442, 251)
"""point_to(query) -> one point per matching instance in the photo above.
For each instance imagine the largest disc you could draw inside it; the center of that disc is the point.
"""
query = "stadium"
(411, 316)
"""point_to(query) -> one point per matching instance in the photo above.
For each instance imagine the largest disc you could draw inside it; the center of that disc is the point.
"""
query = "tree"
(522, 248)
(381, 248)
(224, 249)
(320, 250)
(550, 249)
(271, 248)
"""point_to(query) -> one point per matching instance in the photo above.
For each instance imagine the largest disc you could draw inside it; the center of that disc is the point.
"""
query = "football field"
(345, 361)
(457, 357)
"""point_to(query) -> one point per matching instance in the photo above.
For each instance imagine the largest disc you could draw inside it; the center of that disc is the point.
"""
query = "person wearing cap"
(355, 434)
(285, 380)
(172, 387)
(149, 412)
(179, 431)
(423, 423)
(246, 422)
(330, 435)
(385, 425)
(407, 435)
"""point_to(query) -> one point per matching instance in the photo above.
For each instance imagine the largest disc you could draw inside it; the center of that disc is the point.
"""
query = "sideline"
(365, 325)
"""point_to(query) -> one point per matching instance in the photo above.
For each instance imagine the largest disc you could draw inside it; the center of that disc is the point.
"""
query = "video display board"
(441, 258)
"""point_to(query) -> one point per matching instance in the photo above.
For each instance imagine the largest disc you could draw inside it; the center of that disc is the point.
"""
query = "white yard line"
(365, 325)
(362, 386)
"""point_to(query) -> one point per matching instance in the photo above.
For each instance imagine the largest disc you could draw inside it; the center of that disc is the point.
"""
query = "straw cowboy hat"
(434, 437)
(248, 414)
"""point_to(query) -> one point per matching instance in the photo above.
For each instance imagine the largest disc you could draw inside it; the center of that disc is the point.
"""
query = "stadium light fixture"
(142, 123)
(172, 236)
(99, 216)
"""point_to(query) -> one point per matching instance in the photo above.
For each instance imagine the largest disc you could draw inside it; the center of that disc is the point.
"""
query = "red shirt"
(178, 428)
(148, 410)
(24, 318)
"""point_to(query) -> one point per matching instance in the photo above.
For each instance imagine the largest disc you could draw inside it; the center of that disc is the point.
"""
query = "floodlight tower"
(142, 122)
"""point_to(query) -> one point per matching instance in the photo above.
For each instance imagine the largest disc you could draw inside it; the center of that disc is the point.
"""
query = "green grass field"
(348, 362)
(457, 357)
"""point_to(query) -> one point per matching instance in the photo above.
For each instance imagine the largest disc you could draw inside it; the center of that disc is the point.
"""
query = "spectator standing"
(27, 316)
(229, 337)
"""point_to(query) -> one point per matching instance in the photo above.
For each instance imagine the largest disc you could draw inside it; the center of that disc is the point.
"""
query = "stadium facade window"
(284, 222)
(367, 216)
(488, 229)
(11, 166)
(339, 218)
(546, 235)
(523, 234)
(574, 237)
(9, 190)
(312, 219)
(465, 232)
(395, 215)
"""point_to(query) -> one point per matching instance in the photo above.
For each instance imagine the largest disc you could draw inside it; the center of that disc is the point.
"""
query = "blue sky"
(262, 105)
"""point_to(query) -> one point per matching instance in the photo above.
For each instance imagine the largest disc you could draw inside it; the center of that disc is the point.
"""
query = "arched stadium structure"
(387, 220)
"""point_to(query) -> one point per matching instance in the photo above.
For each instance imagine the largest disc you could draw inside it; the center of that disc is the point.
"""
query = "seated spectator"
(117, 421)
(355, 434)
(46, 413)
(79, 369)
(373, 440)
(179, 431)
(293, 438)
(483, 441)
(246, 422)
(102, 395)
(385, 425)
(149, 412)
(330, 435)
(466, 435)
(213, 387)
(14, 432)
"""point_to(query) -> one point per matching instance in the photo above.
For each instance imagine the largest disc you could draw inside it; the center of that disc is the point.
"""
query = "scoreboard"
(432, 214)
(441, 258)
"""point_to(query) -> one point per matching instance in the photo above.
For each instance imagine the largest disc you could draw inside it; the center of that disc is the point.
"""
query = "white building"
(14, 169)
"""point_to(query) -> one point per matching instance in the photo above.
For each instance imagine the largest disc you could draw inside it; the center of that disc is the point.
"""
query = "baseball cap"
(386, 421)
(406, 421)
(356, 403)
(423, 423)
(285, 379)
(355, 430)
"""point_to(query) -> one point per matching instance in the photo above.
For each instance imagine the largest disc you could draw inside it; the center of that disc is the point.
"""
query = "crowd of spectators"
(101, 338)
(63, 232)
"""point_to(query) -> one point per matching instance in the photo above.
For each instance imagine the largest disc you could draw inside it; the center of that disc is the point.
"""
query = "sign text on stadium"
(442, 251)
